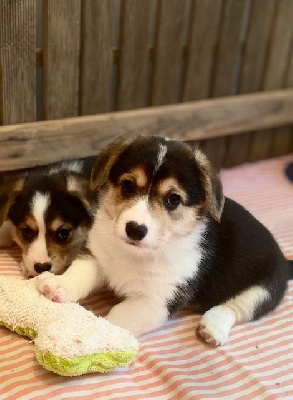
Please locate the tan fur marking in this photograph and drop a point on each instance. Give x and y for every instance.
(17, 237)
(106, 160)
(137, 175)
(31, 222)
(63, 255)
(212, 184)
(72, 184)
(114, 202)
(171, 185)
(16, 232)
(58, 223)
(9, 187)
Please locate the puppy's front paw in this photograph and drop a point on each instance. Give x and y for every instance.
(52, 286)
(212, 334)
(215, 325)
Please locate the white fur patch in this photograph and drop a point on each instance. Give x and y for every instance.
(140, 214)
(147, 278)
(71, 166)
(72, 184)
(216, 323)
(37, 251)
(161, 156)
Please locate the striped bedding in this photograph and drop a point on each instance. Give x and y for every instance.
(256, 363)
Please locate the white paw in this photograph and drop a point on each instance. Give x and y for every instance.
(215, 325)
(212, 334)
(53, 287)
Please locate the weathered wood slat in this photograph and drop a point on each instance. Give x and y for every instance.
(277, 76)
(251, 75)
(201, 48)
(289, 81)
(17, 61)
(261, 143)
(39, 143)
(134, 51)
(61, 24)
(229, 47)
(168, 52)
(96, 56)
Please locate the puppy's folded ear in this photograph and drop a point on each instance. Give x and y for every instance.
(106, 159)
(10, 186)
(212, 186)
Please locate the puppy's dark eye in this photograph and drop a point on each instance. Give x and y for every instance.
(28, 234)
(172, 201)
(62, 235)
(127, 187)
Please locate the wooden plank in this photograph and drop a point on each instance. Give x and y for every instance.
(134, 51)
(282, 50)
(40, 143)
(96, 56)
(251, 74)
(17, 61)
(281, 141)
(225, 71)
(61, 24)
(205, 15)
(262, 142)
(201, 50)
(168, 52)
(289, 84)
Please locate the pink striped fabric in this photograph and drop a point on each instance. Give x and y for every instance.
(256, 363)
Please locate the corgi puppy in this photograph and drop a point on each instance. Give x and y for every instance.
(165, 238)
(47, 212)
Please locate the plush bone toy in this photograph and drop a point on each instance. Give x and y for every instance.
(69, 340)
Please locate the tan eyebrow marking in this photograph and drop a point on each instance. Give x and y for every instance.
(31, 222)
(137, 174)
(58, 223)
(171, 185)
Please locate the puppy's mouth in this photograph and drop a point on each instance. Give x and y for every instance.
(139, 245)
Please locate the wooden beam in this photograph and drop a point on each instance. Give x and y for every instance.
(32, 144)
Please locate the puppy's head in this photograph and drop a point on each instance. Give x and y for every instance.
(50, 220)
(155, 191)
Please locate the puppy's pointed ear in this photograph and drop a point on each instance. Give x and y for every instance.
(105, 161)
(11, 185)
(212, 186)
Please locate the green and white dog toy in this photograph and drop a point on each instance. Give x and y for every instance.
(69, 340)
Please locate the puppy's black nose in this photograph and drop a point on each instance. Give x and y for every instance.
(39, 267)
(135, 231)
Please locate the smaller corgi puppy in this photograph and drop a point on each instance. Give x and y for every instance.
(48, 213)
(165, 238)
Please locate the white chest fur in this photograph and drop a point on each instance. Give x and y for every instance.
(135, 272)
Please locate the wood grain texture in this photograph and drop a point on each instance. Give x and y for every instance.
(28, 145)
(134, 54)
(168, 52)
(203, 35)
(289, 84)
(17, 61)
(61, 38)
(225, 70)
(277, 74)
(201, 50)
(266, 144)
(96, 56)
(251, 74)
